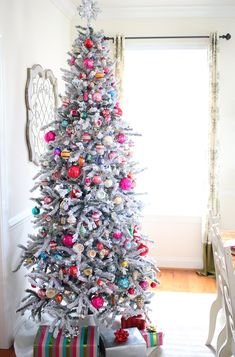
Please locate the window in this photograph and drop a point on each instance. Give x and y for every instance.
(166, 100)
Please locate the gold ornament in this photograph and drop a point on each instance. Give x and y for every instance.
(124, 264)
(91, 253)
(140, 302)
(29, 261)
(117, 200)
(63, 220)
(135, 274)
(51, 293)
(87, 271)
(65, 154)
(99, 75)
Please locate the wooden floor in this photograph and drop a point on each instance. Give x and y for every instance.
(170, 280)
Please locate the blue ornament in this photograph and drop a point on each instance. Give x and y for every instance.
(99, 160)
(35, 211)
(64, 123)
(123, 282)
(43, 256)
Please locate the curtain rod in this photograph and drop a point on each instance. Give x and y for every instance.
(227, 37)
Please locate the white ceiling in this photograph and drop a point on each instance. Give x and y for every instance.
(135, 3)
(154, 8)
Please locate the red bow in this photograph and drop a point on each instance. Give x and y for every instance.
(121, 335)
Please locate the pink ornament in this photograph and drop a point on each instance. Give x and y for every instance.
(97, 96)
(107, 119)
(66, 103)
(121, 138)
(98, 123)
(117, 235)
(125, 184)
(85, 96)
(57, 151)
(97, 180)
(82, 75)
(87, 181)
(112, 155)
(68, 240)
(131, 291)
(100, 149)
(144, 284)
(105, 112)
(99, 246)
(95, 216)
(106, 70)
(72, 60)
(99, 282)
(88, 63)
(47, 200)
(86, 137)
(41, 293)
(49, 136)
(97, 301)
(73, 112)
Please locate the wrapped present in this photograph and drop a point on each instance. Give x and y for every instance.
(152, 338)
(86, 344)
(134, 321)
(133, 346)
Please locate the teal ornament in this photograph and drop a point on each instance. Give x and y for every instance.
(112, 93)
(43, 256)
(35, 211)
(57, 256)
(83, 115)
(123, 282)
(64, 123)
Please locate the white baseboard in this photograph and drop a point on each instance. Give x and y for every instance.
(183, 263)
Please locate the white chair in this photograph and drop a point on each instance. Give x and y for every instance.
(225, 278)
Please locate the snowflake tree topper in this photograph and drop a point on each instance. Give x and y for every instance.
(88, 10)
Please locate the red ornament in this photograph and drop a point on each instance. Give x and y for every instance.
(58, 298)
(153, 284)
(99, 282)
(73, 271)
(88, 43)
(73, 112)
(145, 249)
(121, 335)
(53, 245)
(131, 291)
(33, 286)
(74, 171)
(74, 193)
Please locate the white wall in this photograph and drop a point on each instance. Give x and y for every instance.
(178, 239)
(32, 32)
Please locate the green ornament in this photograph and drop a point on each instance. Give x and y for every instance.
(82, 230)
(83, 115)
(88, 157)
(131, 231)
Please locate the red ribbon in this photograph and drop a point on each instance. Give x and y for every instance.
(121, 335)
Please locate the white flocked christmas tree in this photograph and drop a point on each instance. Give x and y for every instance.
(87, 255)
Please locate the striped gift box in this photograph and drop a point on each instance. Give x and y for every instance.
(84, 345)
(152, 338)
